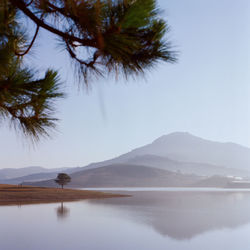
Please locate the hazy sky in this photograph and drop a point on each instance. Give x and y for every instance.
(206, 93)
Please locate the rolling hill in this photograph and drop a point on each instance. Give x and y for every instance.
(16, 176)
(9, 173)
(188, 154)
(124, 175)
(177, 159)
(185, 147)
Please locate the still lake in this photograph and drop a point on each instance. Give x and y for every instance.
(151, 219)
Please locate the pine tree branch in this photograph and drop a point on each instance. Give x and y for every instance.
(21, 6)
(28, 4)
(73, 55)
(55, 8)
(31, 44)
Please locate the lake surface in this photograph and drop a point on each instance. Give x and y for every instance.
(151, 219)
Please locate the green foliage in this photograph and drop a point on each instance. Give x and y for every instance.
(62, 179)
(102, 37)
(25, 100)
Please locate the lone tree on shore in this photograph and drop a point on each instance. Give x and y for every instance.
(62, 179)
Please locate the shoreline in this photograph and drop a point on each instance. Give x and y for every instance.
(20, 195)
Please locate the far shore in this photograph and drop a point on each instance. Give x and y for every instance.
(16, 195)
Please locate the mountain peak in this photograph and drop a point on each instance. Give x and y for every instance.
(175, 135)
(179, 134)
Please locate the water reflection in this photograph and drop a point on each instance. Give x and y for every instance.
(147, 221)
(62, 211)
(184, 215)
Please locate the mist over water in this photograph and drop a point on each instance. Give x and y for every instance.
(175, 220)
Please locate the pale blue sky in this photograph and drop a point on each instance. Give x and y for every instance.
(206, 93)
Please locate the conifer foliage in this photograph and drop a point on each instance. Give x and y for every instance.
(124, 37)
(25, 100)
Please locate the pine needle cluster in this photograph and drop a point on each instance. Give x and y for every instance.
(124, 37)
(25, 100)
(102, 37)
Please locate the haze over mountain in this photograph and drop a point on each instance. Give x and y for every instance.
(185, 147)
(188, 154)
(125, 175)
(7, 173)
(202, 169)
(18, 175)
(179, 155)
(30, 178)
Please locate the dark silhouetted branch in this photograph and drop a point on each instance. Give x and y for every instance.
(31, 44)
(21, 6)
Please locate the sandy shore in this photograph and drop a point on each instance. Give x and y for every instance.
(13, 194)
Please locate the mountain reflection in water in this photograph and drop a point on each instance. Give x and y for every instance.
(183, 215)
(149, 220)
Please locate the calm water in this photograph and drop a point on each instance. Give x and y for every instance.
(156, 219)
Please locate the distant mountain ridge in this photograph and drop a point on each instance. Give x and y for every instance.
(179, 155)
(124, 175)
(17, 175)
(128, 175)
(8, 173)
(192, 152)
(185, 147)
(202, 169)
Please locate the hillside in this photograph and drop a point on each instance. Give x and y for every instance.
(185, 147)
(171, 160)
(189, 154)
(202, 169)
(16, 176)
(8, 173)
(31, 177)
(124, 175)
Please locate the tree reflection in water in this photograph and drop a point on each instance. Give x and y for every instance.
(62, 211)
